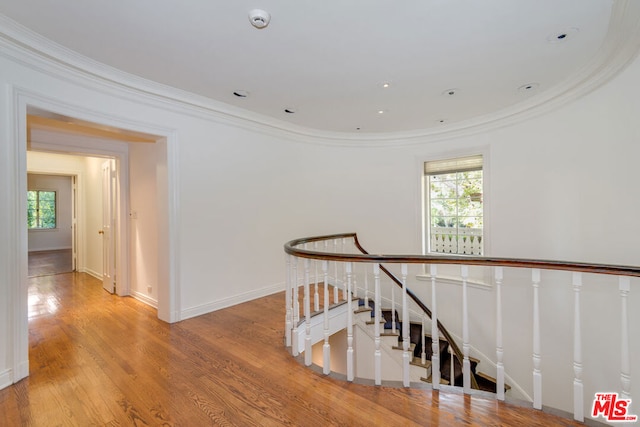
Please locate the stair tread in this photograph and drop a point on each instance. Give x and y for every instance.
(428, 380)
(491, 379)
(418, 362)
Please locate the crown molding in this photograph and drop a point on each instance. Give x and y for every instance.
(619, 49)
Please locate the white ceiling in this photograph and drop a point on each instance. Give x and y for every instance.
(328, 60)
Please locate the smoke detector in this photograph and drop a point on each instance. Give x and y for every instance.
(259, 18)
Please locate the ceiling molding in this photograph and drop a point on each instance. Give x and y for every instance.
(620, 48)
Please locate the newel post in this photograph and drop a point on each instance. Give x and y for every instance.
(435, 338)
(350, 363)
(537, 359)
(326, 348)
(377, 358)
(625, 366)
(406, 358)
(578, 390)
(499, 349)
(466, 364)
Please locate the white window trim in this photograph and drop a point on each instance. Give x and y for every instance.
(38, 229)
(486, 280)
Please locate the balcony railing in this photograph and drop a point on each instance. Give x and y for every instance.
(553, 303)
(452, 240)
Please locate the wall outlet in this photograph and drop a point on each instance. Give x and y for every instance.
(149, 289)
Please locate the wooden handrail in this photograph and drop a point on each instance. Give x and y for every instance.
(292, 249)
(452, 344)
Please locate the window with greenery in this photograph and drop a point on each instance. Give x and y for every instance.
(454, 208)
(41, 209)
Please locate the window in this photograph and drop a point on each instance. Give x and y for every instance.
(454, 209)
(41, 209)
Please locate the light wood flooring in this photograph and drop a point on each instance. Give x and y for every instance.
(44, 263)
(99, 359)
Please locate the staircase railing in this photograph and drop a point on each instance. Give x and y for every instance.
(298, 249)
(452, 343)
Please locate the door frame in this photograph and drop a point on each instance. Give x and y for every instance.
(167, 183)
(76, 179)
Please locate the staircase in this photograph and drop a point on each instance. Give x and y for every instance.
(485, 382)
(392, 343)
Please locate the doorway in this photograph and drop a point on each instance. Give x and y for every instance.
(29, 104)
(50, 223)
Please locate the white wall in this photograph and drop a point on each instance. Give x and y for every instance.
(60, 236)
(144, 227)
(87, 169)
(562, 186)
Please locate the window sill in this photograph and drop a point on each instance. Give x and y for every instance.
(474, 283)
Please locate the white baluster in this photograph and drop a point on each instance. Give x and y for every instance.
(307, 315)
(316, 296)
(305, 283)
(435, 336)
(466, 364)
(578, 392)
(345, 291)
(377, 357)
(288, 324)
(452, 366)
(499, 350)
(624, 284)
(423, 341)
(405, 328)
(350, 365)
(326, 348)
(393, 309)
(537, 359)
(366, 286)
(336, 298)
(295, 350)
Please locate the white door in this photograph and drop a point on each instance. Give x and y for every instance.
(74, 223)
(108, 226)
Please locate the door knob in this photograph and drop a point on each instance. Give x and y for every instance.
(101, 232)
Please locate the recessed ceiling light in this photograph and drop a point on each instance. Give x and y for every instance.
(241, 93)
(441, 121)
(562, 36)
(529, 87)
(380, 111)
(385, 85)
(450, 92)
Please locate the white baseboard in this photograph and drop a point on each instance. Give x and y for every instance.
(230, 301)
(5, 379)
(144, 298)
(91, 273)
(50, 249)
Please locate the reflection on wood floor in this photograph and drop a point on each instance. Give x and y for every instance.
(44, 263)
(99, 359)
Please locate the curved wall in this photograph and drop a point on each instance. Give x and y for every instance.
(563, 186)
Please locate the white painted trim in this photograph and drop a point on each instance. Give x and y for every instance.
(5, 379)
(619, 49)
(91, 273)
(146, 299)
(231, 301)
(55, 248)
(16, 113)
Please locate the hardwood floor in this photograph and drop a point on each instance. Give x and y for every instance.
(99, 359)
(44, 263)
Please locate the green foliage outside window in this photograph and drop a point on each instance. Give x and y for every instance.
(456, 199)
(41, 209)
